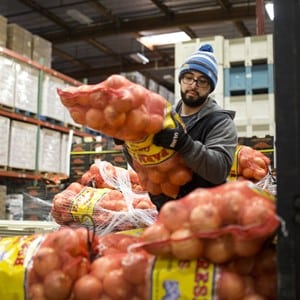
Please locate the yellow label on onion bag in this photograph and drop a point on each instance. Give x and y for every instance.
(145, 152)
(15, 256)
(234, 171)
(84, 203)
(261, 192)
(183, 280)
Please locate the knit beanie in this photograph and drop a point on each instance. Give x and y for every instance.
(202, 61)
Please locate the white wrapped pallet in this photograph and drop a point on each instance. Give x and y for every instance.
(22, 145)
(163, 91)
(7, 81)
(26, 92)
(65, 154)
(152, 85)
(51, 105)
(49, 150)
(4, 140)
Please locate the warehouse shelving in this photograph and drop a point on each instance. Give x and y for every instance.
(24, 107)
(46, 124)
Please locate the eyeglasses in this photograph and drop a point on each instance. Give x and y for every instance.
(200, 82)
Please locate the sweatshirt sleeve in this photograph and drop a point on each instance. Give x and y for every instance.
(213, 159)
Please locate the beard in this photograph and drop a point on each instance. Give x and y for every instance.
(191, 101)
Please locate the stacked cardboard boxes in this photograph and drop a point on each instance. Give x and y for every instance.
(4, 140)
(41, 51)
(3, 31)
(19, 40)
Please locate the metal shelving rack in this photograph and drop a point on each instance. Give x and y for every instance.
(14, 115)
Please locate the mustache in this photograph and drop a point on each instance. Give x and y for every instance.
(195, 91)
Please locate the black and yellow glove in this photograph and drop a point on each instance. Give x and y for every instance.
(173, 138)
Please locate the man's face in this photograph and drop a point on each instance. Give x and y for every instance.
(195, 88)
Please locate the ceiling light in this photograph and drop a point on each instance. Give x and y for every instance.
(79, 16)
(269, 6)
(139, 57)
(164, 39)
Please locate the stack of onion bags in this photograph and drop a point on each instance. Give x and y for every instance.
(221, 223)
(107, 198)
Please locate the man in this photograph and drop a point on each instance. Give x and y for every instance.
(208, 144)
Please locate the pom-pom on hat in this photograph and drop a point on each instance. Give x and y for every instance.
(202, 61)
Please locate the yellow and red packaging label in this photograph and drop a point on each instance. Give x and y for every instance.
(234, 171)
(173, 279)
(15, 257)
(183, 280)
(145, 152)
(84, 203)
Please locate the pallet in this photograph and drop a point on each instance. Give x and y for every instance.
(20, 170)
(25, 113)
(7, 108)
(51, 121)
(73, 126)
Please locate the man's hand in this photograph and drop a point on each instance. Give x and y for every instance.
(172, 138)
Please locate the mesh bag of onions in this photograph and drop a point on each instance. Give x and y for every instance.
(235, 219)
(112, 208)
(127, 111)
(103, 174)
(140, 275)
(76, 264)
(249, 164)
(45, 266)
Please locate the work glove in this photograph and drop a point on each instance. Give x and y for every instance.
(173, 138)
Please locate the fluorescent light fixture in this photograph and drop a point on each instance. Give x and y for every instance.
(164, 39)
(269, 6)
(79, 16)
(140, 58)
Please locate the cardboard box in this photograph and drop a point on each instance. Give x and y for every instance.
(3, 31)
(22, 147)
(41, 51)
(19, 40)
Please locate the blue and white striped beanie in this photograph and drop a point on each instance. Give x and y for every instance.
(202, 61)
